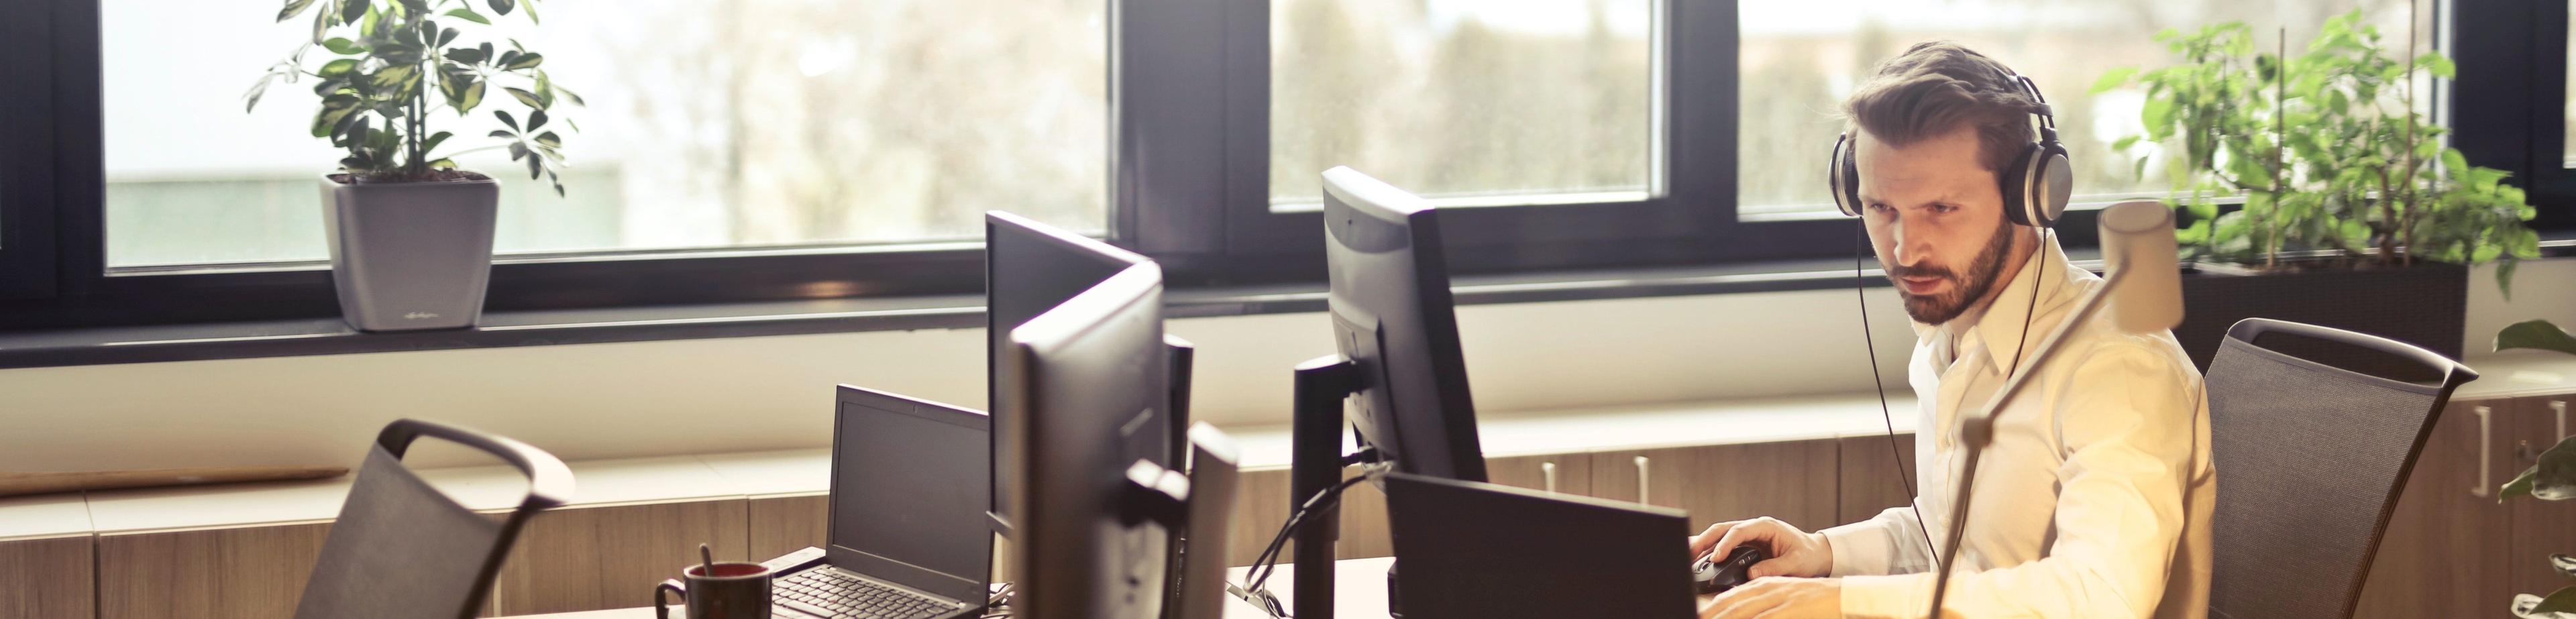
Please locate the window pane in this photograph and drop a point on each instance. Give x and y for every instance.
(711, 123)
(1800, 59)
(1488, 101)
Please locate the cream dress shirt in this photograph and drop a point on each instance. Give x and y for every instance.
(2093, 501)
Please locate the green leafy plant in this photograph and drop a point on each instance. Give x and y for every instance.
(2325, 151)
(2551, 478)
(2536, 335)
(382, 58)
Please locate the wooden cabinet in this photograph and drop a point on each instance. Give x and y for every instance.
(1260, 506)
(1571, 473)
(249, 572)
(48, 577)
(782, 524)
(590, 558)
(1792, 481)
(2540, 528)
(2451, 548)
(1872, 481)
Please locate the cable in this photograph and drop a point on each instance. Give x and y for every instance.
(2046, 235)
(1902, 475)
(998, 606)
(1268, 562)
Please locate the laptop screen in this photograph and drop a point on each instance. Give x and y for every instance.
(909, 492)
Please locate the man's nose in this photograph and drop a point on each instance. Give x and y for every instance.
(1911, 249)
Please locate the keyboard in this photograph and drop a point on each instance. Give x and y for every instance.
(825, 593)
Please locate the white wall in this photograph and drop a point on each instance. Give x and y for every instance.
(2542, 289)
(627, 399)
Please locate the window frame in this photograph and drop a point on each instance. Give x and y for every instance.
(1188, 163)
(27, 162)
(2512, 54)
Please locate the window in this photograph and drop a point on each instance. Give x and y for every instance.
(1468, 102)
(1799, 59)
(710, 124)
(764, 150)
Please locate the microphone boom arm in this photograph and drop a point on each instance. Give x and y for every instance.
(1977, 431)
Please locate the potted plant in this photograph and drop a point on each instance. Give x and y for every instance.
(2551, 478)
(2353, 214)
(410, 234)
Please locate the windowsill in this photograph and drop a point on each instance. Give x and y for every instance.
(329, 336)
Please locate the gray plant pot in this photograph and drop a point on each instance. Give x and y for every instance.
(410, 256)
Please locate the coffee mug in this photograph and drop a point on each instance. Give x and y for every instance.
(728, 590)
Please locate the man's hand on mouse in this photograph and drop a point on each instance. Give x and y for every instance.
(1793, 552)
(1778, 598)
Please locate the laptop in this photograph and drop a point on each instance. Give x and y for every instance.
(1470, 549)
(906, 536)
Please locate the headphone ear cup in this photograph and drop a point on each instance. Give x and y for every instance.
(2015, 183)
(1844, 177)
(2055, 182)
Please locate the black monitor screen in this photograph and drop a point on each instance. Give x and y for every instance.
(908, 493)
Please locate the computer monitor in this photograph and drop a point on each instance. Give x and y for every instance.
(1568, 556)
(1083, 385)
(1393, 319)
(1029, 269)
(1213, 478)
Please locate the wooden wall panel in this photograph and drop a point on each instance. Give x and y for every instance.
(251, 572)
(47, 577)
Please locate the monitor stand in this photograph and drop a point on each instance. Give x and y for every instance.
(1323, 384)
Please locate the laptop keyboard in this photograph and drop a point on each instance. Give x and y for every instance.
(839, 596)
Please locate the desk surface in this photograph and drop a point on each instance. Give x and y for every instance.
(1359, 592)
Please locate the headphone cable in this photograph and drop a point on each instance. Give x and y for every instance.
(1860, 291)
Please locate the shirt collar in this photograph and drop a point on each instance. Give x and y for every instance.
(2000, 323)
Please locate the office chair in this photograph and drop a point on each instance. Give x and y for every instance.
(401, 549)
(2310, 458)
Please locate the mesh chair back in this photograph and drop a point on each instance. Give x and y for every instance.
(403, 550)
(2310, 458)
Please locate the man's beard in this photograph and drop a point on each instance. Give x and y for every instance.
(1982, 272)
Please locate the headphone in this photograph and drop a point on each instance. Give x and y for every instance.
(2035, 185)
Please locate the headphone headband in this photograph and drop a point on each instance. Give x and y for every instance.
(2035, 185)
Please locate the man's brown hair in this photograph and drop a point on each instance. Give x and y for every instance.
(1935, 88)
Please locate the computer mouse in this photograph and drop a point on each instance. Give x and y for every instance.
(1712, 576)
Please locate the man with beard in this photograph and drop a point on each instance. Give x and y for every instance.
(2094, 497)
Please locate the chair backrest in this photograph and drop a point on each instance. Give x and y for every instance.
(401, 549)
(2310, 457)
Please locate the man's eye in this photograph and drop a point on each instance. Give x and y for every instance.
(1944, 209)
(1879, 207)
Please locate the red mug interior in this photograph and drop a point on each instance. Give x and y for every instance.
(726, 570)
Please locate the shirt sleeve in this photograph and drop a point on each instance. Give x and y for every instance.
(2125, 419)
(1890, 543)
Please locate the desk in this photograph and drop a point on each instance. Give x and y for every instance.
(1359, 593)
